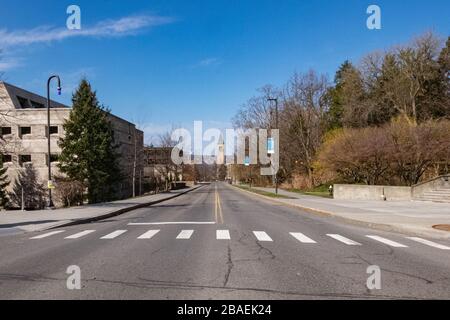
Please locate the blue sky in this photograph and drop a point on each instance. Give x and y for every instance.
(168, 62)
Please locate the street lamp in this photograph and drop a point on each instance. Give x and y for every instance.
(276, 127)
(49, 183)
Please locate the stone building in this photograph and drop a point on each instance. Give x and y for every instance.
(158, 164)
(23, 120)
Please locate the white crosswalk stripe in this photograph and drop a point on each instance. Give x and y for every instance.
(262, 236)
(387, 241)
(344, 239)
(79, 234)
(149, 234)
(429, 243)
(114, 234)
(223, 235)
(185, 234)
(48, 234)
(302, 238)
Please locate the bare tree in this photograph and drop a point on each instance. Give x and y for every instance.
(303, 121)
(257, 112)
(167, 169)
(414, 148)
(356, 155)
(397, 153)
(403, 74)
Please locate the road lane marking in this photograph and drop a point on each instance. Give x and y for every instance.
(48, 234)
(219, 202)
(215, 204)
(301, 237)
(344, 240)
(79, 234)
(168, 223)
(223, 235)
(429, 243)
(218, 213)
(185, 234)
(262, 236)
(387, 241)
(114, 234)
(148, 235)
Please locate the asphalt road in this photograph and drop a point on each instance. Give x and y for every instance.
(238, 246)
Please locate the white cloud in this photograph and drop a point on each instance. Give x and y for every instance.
(109, 28)
(9, 63)
(212, 61)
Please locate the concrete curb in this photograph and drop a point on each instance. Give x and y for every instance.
(436, 234)
(120, 211)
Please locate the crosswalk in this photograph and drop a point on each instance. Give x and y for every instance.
(185, 234)
(260, 236)
(302, 238)
(114, 234)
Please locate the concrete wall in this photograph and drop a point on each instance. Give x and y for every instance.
(364, 192)
(441, 182)
(397, 193)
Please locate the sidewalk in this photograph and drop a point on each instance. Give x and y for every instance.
(18, 221)
(410, 217)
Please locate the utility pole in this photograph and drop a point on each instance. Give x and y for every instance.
(276, 127)
(134, 164)
(140, 182)
(22, 203)
(49, 183)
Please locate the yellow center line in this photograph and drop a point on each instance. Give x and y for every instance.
(220, 207)
(215, 204)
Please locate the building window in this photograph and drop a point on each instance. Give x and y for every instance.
(53, 129)
(54, 157)
(24, 103)
(25, 130)
(36, 105)
(5, 131)
(7, 158)
(24, 159)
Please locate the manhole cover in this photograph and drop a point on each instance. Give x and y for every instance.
(443, 227)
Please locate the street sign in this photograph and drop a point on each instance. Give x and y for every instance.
(270, 146)
(50, 184)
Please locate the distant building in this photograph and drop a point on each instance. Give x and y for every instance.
(158, 164)
(221, 151)
(23, 119)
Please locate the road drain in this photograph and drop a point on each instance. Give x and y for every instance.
(443, 227)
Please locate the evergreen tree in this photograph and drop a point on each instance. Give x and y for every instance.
(88, 150)
(33, 192)
(336, 98)
(3, 184)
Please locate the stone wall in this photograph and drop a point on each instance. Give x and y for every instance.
(378, 193)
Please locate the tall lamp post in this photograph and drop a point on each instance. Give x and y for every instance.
(276, 127)
(49, 184)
